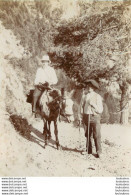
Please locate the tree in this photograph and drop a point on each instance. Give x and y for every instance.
(96, 46)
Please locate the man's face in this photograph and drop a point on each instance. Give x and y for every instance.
(44, 63)
(90, 89)
(86, 90)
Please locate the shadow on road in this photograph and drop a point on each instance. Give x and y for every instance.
(71, 149)
(22, 126)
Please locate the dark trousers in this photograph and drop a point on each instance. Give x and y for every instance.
(93, 123)
(36, 95)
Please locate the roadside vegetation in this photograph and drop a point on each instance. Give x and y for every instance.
(93, 45)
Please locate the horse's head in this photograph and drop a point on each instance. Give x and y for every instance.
(50, 103)
(55, 94)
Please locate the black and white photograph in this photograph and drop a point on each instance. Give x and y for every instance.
(65, 88)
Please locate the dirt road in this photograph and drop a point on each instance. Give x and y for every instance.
(27, 157)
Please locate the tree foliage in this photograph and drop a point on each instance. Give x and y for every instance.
(86, 44)
(94, 45)
(32, 24)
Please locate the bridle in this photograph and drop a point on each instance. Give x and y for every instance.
(59, 101)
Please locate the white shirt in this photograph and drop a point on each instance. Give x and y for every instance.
(91, 104)
(46, 74)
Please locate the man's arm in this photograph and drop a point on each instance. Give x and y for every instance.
(81, 107)
(38, 77)
(53, 77)
(99, 105)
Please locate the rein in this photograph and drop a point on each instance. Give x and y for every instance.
(59, 108)
(51, 101)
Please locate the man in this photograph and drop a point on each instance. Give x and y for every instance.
(91, 107)
(45, 77)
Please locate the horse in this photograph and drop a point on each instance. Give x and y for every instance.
(49, 110)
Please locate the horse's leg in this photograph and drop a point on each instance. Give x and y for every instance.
(45, 132)
(56, 134)
(44, 126)
(49, 132)
(59, 118)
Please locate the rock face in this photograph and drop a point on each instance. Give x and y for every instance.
(12, 98)
(10, 45)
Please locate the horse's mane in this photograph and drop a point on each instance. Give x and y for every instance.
(50, 102)
(53, 95)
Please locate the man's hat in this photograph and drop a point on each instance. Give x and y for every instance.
(93, 83)
(45, 58)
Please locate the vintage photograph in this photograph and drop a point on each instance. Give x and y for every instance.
(65, 88)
